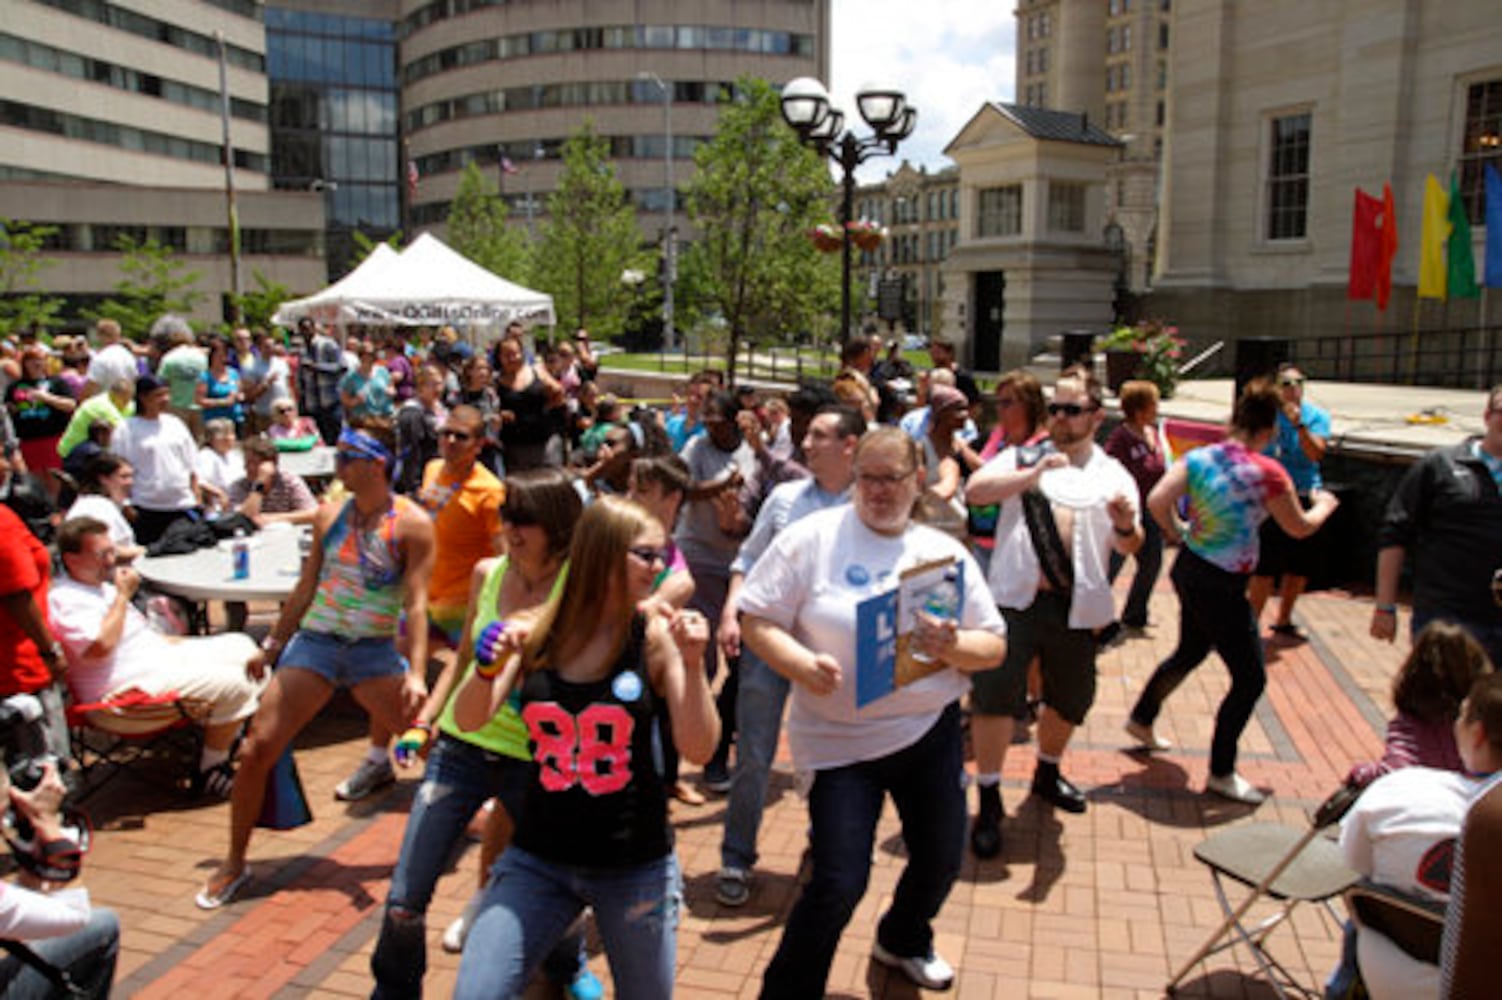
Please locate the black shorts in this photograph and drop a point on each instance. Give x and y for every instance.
(1282, 553)
(1066, 656)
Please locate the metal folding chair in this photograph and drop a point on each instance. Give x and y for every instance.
(1413, 924)
(1281, 863)
(114, 734)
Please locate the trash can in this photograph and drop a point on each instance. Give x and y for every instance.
(1074, 347)
(1257, 356)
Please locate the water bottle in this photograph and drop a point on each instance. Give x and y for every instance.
(240, 557)
(941, 603)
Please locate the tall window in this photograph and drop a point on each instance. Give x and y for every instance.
(1480, 144)
(1287, 185)
(1066, 207)
(1000, 211)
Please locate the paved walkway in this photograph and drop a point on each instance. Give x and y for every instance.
(1105, 904)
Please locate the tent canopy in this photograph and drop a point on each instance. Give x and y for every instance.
(427, 284)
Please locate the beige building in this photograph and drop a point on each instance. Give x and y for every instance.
(1279, 111)
(1030, 262)
(516, 80)
(1110, 60)
(921, 211)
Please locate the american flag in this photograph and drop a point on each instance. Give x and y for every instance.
(412, 177)
(507, 167)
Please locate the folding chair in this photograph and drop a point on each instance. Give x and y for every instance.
(1286, 865)
(1413, 924)
(112, 735)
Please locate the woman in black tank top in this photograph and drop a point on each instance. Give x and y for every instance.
(529, 399)
(593, 675)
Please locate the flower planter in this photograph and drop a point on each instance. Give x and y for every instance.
(1121, 366)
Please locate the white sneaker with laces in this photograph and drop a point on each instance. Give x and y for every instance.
(456, 932)
(1236, 788)
(369, 776)
(928, 971)
(1145, 737)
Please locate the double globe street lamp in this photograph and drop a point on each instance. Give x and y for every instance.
(806, 107)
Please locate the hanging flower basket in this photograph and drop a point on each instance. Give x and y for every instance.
(866, 234)
(826, 238)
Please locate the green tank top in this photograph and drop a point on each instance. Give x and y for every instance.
(505, 733)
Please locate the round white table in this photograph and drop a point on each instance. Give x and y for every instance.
(315, 463)
(208, 574)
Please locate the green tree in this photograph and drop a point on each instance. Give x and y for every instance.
(22, 303)
(754, 195)
(154, 283)
(477, 228)
(258, 305)
(589, 239)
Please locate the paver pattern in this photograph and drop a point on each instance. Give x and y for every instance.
(1105, 904)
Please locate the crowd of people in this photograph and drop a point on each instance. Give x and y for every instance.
(546, 597)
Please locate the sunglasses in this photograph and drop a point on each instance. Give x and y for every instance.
(1069, 409)
(651, 554)
(1286, 382)
(453, 435)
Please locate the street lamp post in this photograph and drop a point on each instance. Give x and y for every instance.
(806, 107)
(669, 237)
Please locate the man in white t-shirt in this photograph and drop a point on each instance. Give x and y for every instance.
(164, 455)
(1080, 504)
(112, 648)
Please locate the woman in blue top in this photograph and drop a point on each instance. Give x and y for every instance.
(218, 392)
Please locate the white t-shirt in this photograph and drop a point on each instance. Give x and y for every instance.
(808, 583)
(77, 614)
(274, 372)
(699, 534)
(1402, 833)
(163, 454)
(219, 470)
(102, 508)
(1087, 489)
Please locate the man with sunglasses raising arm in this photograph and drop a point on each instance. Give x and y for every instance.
(369, 566)
(1065, 505)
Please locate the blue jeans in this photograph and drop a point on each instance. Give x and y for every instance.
(530, 903)
(459, 777)
(926, 782)
(1488, 634)
(758, 718)
(88, 955)
(1149, 564)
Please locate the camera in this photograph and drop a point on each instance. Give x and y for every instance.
(23, 740)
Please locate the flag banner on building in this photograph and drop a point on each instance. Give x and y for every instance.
(507, 167)
(1389, 232)
(1493, 276)
(1366, 247)
(1460, 262)
(412, 177)
(1432, 240)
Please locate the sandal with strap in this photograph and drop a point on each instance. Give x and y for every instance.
(217, 781)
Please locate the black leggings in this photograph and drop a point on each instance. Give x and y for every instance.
(1213, 614)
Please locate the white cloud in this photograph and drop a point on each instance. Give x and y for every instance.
(948, 56)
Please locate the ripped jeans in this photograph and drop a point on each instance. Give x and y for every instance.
(458, 778)
(530, 903)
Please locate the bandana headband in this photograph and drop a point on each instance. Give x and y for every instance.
(361, 445)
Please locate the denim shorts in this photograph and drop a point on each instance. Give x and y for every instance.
(343, 662)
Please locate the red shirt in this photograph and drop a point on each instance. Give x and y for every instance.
(24, 565)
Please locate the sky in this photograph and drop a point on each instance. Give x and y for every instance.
(948, 56)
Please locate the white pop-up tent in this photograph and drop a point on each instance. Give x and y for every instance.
(427, 284)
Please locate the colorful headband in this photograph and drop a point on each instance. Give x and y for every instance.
(362, 445)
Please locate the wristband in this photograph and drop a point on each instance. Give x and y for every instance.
(271, 645)
(411, 742)
(1125, 532)
(1386, 609)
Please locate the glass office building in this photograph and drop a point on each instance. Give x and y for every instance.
(333, 116)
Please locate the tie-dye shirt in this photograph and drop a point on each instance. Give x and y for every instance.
(1228, 492)
(360, 589)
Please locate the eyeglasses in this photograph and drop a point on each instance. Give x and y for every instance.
(650, 554)
(1069, 409)
(448, 433)
(891, 479)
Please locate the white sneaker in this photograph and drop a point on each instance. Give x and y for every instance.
(1145, 737)
(369, 776)
(928, 971)
(456, 932)
(1236, 788)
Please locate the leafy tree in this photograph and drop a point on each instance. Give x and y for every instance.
(258, 305)
(754, 195)
(154, 283)
(477, 228)
(22, 304)
(590, 238)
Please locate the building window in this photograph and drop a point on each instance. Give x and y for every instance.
(1162, 75)
(1066, 207)
(1161, 113)
(1288, 177)
(1000, 211)
(1126, 38)
(1110, 41)
(1162, 36)
(1481, 144)
(1124, 76)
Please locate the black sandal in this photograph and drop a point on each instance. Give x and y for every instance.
(217, 781)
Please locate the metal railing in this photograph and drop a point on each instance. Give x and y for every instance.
(1468, 358)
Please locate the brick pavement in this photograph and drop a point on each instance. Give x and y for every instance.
(1100, 905)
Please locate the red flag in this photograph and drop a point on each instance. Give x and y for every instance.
(1389, 247)
(507, 167)
(1366, 247)
(411, 180)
